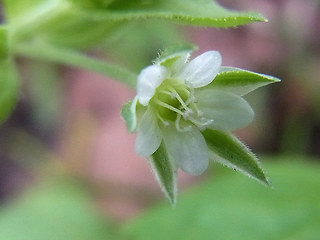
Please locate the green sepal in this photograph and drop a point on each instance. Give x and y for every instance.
(239, 81)
(128, 113)
(174, 53)
(165, 173)
(228, 150)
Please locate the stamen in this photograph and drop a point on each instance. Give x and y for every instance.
(186, 91)
(165, 123)
(199, 112)
(184, 105)
(187, 113)
(191, 97)
(202, 123)
(177, 124)
(172, 95)
(165, 105)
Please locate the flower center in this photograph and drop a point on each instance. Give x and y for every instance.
(175, 103)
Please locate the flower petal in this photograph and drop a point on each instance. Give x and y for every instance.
(188, 149)
(227, 110)
(148, 80)
(149, 135)
(201, 70)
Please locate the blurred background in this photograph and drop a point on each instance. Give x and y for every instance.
(68, 167)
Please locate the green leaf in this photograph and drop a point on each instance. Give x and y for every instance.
(8, 88)
(17, 8)
(91, 3)
(128, 113)
(227, 206)
(45, 94)
(57, 210)
(56, 54)
(132, 40)
(78, 24)
(199, 13)
(165, 173)
(240, 81)
(8, 79)
(55, 22)
(230, 151)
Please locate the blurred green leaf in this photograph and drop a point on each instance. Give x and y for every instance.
(69, 23)
(226, 149)
(91, 3)
(8, 78)
(76, 29)
(229, 207)
(165, 173)
(45, 91)
(240, 81)
(17, 8)
(57, 22)
(200, 12)
(4, 52)
(58, 210)
(135, 46)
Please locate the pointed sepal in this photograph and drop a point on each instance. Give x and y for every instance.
(165, 173)
(239, 81)
(128, 113)
(175, 56)
(228, 150)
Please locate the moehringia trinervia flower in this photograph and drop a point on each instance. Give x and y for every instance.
(177, 104)
(184, 113)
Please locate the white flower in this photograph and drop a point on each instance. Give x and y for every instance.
(176, 102)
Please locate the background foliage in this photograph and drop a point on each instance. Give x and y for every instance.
(59, 124)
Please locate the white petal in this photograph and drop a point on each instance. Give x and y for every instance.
(149, 135)
(148, 80)
(227, 110)
(188, 149)
(201, 70)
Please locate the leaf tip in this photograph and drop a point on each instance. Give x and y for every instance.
(266, 182)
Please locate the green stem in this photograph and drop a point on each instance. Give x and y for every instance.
(73, 58)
